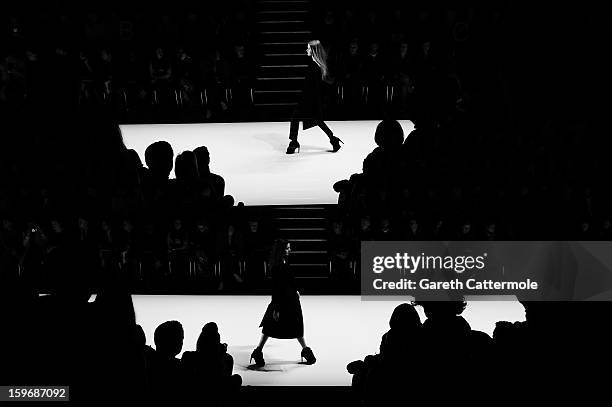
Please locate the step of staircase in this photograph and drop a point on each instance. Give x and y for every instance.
(299, 221)
(287, 58)
(282, 70)
(276, 96)
(301, 232)
(282, 47)
(281, 24)
(308, 244)
(306, 228)
(309, 257)
(283, 29)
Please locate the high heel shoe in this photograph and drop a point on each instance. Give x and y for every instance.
(308, 355)
(293, 145)
(335, 142)
(258, 356)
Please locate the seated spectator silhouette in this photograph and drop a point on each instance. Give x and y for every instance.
(385, 230)
(351, 76)
(141, 340)
(405, 326)
(389, 134)
(105, 69)
(343, 188)
(125, 242)
(203, 241)
(387, 157)
(208, 370)
(58, 235)
(152, 249)
(160, 73)
(402, 70)
(216, 182)
(375, 378)
(257, 246)
(187, 187)
(327, 29)
(241, 72)
(230, 252)
(159, 159)
(412, 229)
(179, 244)
(184, 76)
(552, 334)
(466, 230)
(164, 372)
(339, 249)
(444, 325)
(374, 69)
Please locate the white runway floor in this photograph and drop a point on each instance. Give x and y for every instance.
(339, 329)
(251, 156)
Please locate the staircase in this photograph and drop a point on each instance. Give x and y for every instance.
(283, 30)
(306, 228)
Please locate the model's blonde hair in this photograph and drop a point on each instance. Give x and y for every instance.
(319, 55)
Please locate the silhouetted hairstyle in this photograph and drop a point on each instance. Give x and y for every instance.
(186, 166)
(168, 337)
(319, 55)
(389, 134)
(277, 253)
(404, 317)
(158, 157)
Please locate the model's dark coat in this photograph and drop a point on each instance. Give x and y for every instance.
(285, 300)
(310, 106)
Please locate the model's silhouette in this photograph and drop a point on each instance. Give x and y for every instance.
(310, 108)
(283, 317)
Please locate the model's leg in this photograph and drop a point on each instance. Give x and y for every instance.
(335, 141)
(258, 353)
(302, 342)
(307, 352)
(262, 341)
(293, 134)
(326, 129)
(293, 130)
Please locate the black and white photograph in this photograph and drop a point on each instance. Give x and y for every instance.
(305, 202)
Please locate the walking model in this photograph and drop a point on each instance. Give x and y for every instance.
(310, 110)
(283, 317)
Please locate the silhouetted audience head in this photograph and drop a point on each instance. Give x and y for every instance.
(389, 134)
(228, 201)
(186, 167)
(209, 338)
(168, 338)
(405, 329)
(158, 157)
(342, 186)
(442, 309)
(405, 318)
(203, 156)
